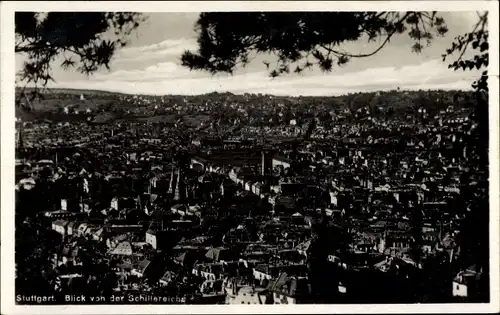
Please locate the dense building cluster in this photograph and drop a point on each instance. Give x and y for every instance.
(255, 199)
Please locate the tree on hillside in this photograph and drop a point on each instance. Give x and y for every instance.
(86, 41)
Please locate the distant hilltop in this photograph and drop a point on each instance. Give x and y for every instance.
(101, 92)
(90, 93)
(103, 106)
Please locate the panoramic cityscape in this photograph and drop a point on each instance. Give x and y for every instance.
(164, 181)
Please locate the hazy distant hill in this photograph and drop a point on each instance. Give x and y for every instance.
(109, 105)
(70, 92)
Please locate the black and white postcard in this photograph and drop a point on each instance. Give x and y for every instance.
(221, 157)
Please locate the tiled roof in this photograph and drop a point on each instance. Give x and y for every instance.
(124, 248)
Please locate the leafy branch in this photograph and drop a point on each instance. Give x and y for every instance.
(225, 40)
(79, 37)
(478, 40)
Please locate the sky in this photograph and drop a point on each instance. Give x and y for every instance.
(150, 64)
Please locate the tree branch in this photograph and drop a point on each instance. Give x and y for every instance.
(21, 49)
(389, 35)
(423, 23)
(360, 55)
(464, 49)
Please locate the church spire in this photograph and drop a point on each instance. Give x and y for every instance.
(171, 185)
(177, 186)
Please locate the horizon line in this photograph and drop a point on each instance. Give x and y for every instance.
(43, 89)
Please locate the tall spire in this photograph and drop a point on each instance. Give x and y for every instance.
(171, 185)
(177, 195)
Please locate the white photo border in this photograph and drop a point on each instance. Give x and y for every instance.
(7, 85)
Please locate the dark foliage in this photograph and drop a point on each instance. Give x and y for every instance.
(478, 40)
(76, 36)
(301, 40)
